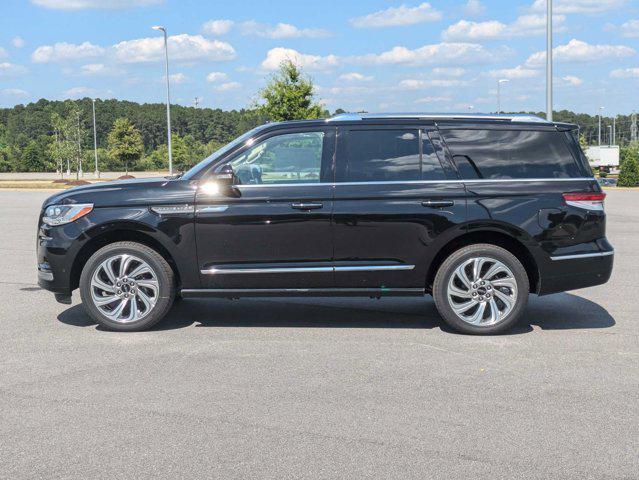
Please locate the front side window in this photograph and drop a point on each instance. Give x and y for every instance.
(389, 155)
(282, 159)
(510, 154)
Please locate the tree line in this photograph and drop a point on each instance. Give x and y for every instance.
(58, 135)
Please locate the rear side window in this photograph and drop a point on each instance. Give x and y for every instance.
(510, 154)
(389, 155)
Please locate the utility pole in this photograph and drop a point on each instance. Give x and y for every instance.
(549, 60)
(79, 170)
(168, 96)
(610, 135)
(196, 102)
(600, 109)
(95, 142)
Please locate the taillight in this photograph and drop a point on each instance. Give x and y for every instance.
(589, 201)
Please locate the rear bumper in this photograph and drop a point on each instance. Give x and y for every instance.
(570, 271)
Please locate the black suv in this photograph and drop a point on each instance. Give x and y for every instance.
(478, 211)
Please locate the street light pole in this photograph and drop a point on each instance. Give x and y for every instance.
(600, 109)
(549, 60)
(168, 96)
(610, 135)
(95, 142)
(614, 130)
(499, 82)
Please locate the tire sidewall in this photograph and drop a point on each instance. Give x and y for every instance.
(165, 286)
(444, 273)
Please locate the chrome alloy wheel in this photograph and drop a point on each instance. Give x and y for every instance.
(124, 288)
(482, 291)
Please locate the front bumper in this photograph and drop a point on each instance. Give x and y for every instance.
(56, 249)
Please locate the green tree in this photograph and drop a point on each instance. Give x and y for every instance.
(629, 173)
(290, 96)
(63, 148)
(125, 143)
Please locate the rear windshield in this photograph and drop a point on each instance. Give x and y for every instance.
(511, 154)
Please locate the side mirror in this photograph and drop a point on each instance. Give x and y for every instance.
(226, 176)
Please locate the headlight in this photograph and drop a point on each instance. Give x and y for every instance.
(61, 214)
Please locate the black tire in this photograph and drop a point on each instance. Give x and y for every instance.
(456, 259)
(161, 269)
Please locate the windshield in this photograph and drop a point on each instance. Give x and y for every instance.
(222, 151)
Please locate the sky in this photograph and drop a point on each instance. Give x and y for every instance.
(372, 55)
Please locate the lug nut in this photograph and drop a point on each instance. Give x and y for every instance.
(489, 287)
(483, 283)
(474, 294)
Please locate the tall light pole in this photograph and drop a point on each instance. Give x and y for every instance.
(610, 135)
(614, 130)
(549, 60)
(168, 96)
(499, 82)
(600, 109)
(95, 141)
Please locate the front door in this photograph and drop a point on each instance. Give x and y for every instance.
(395, 200)
(272, 230)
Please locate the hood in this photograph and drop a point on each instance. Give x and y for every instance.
(145, 191)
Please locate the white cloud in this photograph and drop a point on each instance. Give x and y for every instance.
(276, 56)
(17, 42)
(178, 78)
(228, 86)
(182, 47)
(78, 92)
(94, 4)
(216, 77)
(218, 27)
(448, 71)
(397, 16)
(474, 7)
(281, 30)
(572, 80)
(579, 51)
(465, 30)
(417, 84)
(355, 77)
(3, 53)
(99, 69)
(524, 25)
(514, 73)
(65, 52)
(440, 53)
(579, 6)
(8, 69)
(625, 73)
(630, 29)
(15, 92)
(433, 100)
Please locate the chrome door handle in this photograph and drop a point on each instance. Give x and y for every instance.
(437, 203)
(306, 206)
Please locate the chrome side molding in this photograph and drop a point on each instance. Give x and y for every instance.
(582, 255)
(353, 268)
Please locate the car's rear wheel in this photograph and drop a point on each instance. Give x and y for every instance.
(481, 289)
(127, 286)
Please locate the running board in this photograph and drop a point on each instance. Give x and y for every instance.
(302, 292)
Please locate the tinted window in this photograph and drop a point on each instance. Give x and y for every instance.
(288, 158)
(389, 155)
(510, 154)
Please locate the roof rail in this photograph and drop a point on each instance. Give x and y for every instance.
(353, 117)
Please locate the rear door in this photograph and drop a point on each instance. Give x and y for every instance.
(395, 198)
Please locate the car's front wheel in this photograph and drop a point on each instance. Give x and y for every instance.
(127, 286)
(481, 289)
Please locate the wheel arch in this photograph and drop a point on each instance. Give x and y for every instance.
(492, 236)
(119, 233)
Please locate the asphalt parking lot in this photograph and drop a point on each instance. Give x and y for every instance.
(286, 388)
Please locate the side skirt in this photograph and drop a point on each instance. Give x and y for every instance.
(303, 292)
